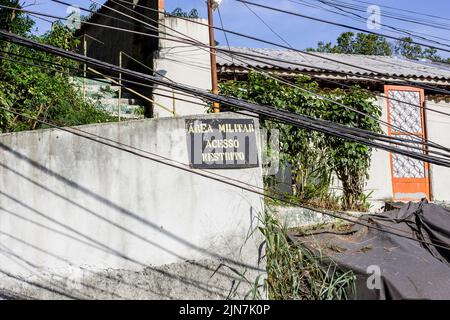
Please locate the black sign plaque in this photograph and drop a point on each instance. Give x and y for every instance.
(222, 143)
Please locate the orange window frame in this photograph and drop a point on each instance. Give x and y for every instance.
(405, 186)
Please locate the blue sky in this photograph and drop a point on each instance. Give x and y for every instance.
(299, 32)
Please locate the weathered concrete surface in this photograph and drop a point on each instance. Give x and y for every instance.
(81, 219)
(187, 280)
(295, 217)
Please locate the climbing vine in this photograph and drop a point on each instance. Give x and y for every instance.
(316, 158)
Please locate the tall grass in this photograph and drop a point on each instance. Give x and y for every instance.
(294, 272)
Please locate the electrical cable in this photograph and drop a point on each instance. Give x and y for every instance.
(363, 136)
(400, 129)
(52, 125)
(360, 18)
(94, 2)
(401, 80)
(263, 194)
(406, 10)
(391, 137)
(398, 17)
(388, 125)
(336, 24)
(92, 137)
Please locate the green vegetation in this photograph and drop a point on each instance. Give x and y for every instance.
(361, 43)
(294, 272)
(314, 156)
(40, 92)
(371, 44)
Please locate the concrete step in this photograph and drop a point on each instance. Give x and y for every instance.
(123, 101)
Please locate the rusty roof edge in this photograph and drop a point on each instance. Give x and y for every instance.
(402, 67)
(335, 75)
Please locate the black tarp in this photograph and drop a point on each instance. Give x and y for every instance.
(409, 269)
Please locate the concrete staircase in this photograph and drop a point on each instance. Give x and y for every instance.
(105, 97)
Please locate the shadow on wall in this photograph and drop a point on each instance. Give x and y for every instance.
(45, 273)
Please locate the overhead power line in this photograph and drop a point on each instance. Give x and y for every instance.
(325, 98)
(401, 142)
(336, 24)
(225, 180)
(359, 135)
(358, 17)
(206, 173)
(79, 73)
(285, 41)
(404, 10)
(398, 16)
(375, 72)
(327, 213)
(300, 88)
(288, 83)
(408, 141)
(330, 81)
(233, 56)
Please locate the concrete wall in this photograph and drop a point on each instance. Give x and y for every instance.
(184, 64)
(83, 220)
(438, 129)
(380, 179)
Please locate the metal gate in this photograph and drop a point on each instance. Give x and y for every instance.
(410, 177)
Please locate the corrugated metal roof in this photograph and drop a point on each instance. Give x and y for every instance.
(298, 62)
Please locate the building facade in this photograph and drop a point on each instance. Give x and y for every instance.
(147, 40)
(411, 94)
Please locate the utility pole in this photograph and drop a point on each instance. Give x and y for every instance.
(212, 44)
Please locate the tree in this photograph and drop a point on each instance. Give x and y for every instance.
(407, 49)
(371, 44)
(14, 21)
(360, 43)
(38, 84)
(431, 54)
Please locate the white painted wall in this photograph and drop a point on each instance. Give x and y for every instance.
(379, 183)
(191, 66)
(184, 64)
(69, 204)
(438, 129)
